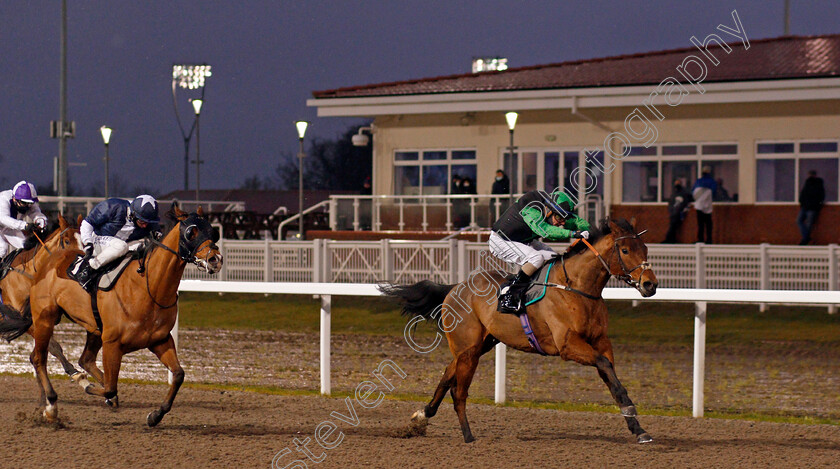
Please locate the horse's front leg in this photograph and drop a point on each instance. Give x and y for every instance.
(573, 347)
(606, 370)
(165, 352)
(111, 361)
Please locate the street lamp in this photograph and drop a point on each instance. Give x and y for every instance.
(106, 137)
(197, 107)
(510, 117)
(301, 130)
(188, 77)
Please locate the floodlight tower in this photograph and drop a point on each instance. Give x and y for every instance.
(190, 78)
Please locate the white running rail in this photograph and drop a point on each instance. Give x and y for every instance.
(700, 297)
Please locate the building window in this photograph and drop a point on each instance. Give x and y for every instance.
(648, 174)
(782, 168)
(430, 172)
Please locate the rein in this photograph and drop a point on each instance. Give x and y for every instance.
(625, 275)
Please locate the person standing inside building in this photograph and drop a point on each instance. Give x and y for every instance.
(703, 192)
(810, 202)
(501, 187)
(677, 208)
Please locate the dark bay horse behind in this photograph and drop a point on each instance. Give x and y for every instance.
(570, 322)
(139, 312)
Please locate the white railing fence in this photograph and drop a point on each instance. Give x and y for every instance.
(700, 297)
(752, 267)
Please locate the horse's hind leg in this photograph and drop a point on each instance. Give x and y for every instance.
(467, 362)
(75, 375)
(446, 381)
(165, 352)
(87, 361)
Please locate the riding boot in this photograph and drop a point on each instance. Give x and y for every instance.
(512, 296)
(84, 274)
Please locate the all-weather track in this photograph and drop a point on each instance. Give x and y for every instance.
(212, 428)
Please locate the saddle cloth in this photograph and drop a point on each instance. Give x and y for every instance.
(106, 277)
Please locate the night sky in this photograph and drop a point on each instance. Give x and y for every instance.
(268, 56)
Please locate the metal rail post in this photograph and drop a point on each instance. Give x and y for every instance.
(326, 307)
(699, 357)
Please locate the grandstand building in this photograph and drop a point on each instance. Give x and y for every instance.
(616, 132)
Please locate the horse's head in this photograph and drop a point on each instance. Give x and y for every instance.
(629, 259)
(197, 240)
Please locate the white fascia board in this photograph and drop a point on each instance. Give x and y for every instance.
(617, 96)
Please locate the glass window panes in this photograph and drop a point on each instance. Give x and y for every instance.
(552, 171)
(725, 173)
(826, 168)
(640, 181)
(773, 180)
(465, 171)
(818, 147)
(435, 180)
(406, 156)
(570, 163)
(406, 180)
(463, 154)
(434, 155)
(726, 149)
(673, 150)
(775, 147)
(595, 170)
(685, 171)
(529, 171)
(640, 151)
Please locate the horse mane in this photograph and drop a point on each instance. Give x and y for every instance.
(595, 234)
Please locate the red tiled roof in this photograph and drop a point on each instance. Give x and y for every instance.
(767, 59)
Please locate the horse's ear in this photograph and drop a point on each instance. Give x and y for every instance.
(613, 227)
(199, 211)
(633, 222)
(176, 213)
(62, 222)
(79, 220)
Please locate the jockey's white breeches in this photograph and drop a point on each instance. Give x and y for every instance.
(107, 249)
(536, 253)
(10, 238)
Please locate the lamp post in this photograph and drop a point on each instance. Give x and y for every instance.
(188, 77)
(106, 137)
(197, 107)
(510, 117)
(301, 130)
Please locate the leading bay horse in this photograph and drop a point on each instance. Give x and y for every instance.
(17, 282)
(569, 322)
(139, 312)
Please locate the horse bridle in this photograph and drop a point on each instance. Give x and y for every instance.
(625, 275)
(185, 253)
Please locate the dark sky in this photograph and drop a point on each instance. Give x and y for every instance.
(269, 55)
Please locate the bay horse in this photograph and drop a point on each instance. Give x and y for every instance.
(138, 312)
(16, 284)
(569, 322)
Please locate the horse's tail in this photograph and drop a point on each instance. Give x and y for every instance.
(422, 298)
(14, 323)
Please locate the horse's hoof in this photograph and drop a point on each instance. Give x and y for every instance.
(644, 438)
(78, 377)
(629, 411)
(153, 418)
(419, 417)
(51, 413)
(113, 403)
(469, 439)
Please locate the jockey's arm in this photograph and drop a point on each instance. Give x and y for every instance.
(86, 232)
(578, 224)
(6, 219)
(539, 225)
(37, 216)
